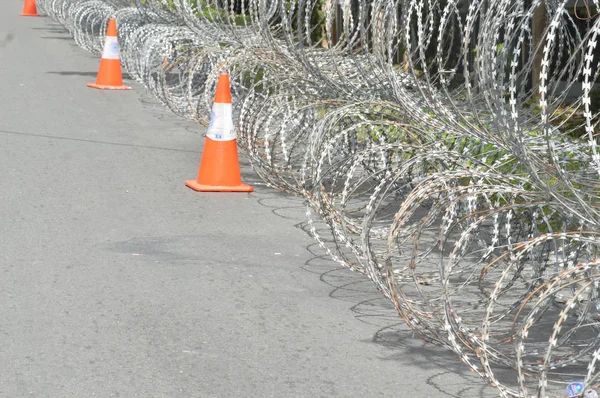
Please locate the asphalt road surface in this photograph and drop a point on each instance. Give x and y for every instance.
(119, 281)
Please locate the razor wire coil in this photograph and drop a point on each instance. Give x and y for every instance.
(451, 146)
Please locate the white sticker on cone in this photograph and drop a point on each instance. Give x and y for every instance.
(221, 126)
(111, 48)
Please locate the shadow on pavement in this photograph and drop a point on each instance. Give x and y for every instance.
(447, 373)
(57, 37)
(74, 73)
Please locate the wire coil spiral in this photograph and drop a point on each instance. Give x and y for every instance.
(451, 146)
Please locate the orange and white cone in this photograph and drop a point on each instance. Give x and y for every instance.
(219, 167)
(110, 76)
(29, 9)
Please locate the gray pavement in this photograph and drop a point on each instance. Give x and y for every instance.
(119, 281)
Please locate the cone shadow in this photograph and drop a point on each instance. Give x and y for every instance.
(56, 37)
(74, 73)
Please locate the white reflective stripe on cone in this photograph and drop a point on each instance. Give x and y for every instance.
(221, 123)
(111, 48)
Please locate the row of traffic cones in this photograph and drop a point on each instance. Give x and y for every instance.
(219, 166)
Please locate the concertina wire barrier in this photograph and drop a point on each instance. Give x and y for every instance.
(451, 146)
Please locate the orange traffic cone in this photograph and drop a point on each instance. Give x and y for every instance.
(220, 167)
(29, 9)
(109, 75)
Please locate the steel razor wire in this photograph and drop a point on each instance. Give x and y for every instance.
(450, 145)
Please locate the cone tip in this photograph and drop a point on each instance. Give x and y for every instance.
(223, 94)
(112, 27)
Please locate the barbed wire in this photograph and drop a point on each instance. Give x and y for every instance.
(450, 145)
